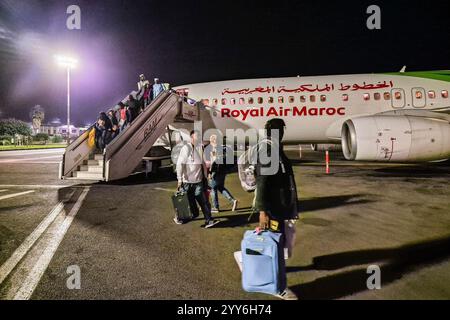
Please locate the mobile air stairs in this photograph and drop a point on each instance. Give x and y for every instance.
(126, 152)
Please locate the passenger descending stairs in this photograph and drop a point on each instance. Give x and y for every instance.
(91, 169)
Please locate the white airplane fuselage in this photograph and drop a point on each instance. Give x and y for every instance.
(315, 108)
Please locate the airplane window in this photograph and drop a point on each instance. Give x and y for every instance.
(312, 98)
(377, 96)
(387, 96)
(250, 100)
(302, 99)
(205, 102)
(345, 97)
(419, 95)
(444, 94)
(366, 96)
(291, 99)
(260, 100)
(270, 100)
(398, 95)
(431, 94)
(241, 101)
(214, 102)
(280, 99)
(232, 101)
(323, 98)
(224, 101)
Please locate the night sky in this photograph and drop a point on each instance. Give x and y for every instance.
(197, 41)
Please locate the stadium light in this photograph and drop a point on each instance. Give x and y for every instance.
(68, 63)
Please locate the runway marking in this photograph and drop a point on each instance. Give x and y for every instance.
(22, 250)
(13, 195)
(36, 162)
(36, 273)
(36, 186)
(34, 151)
(164, 189)
(26, 160)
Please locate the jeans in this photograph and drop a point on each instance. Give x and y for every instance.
(196, 192)
(217, 184)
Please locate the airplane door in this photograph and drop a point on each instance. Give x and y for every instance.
(418, 97)
(398, 98)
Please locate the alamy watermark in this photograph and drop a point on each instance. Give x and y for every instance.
(262, 146)
(73, 282)
(73, 21)
(374, 280)
(374, 20)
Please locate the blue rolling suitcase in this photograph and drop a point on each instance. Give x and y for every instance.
(263, 266)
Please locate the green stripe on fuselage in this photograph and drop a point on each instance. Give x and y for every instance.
(443, 75)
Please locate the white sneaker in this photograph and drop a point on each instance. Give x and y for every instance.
(235, 203)
(177, 221)
(211, 223)
(287, 294)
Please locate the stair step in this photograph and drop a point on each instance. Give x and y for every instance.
(93, 163)
(98, 157)
(86, 175)
(98, 169)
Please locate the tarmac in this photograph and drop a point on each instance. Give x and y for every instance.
(122, 237)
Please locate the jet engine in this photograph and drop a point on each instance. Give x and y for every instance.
(396, 138)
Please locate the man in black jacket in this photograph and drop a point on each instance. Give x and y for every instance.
(276, 192)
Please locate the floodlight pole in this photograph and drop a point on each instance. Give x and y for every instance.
(68, 105)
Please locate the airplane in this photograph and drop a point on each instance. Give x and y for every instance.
(388, 117)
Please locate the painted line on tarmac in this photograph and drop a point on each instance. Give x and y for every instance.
(36, 186)
(3, 190)
(35, 162)
(27, 160)
(164, 189)
(34, 151)
(23, 249)
(13, 195)
(36, 273)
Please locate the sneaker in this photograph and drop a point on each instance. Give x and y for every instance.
(211, 223)
(214, 210)
(177, 221)
(235, 203)
(287, 294)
